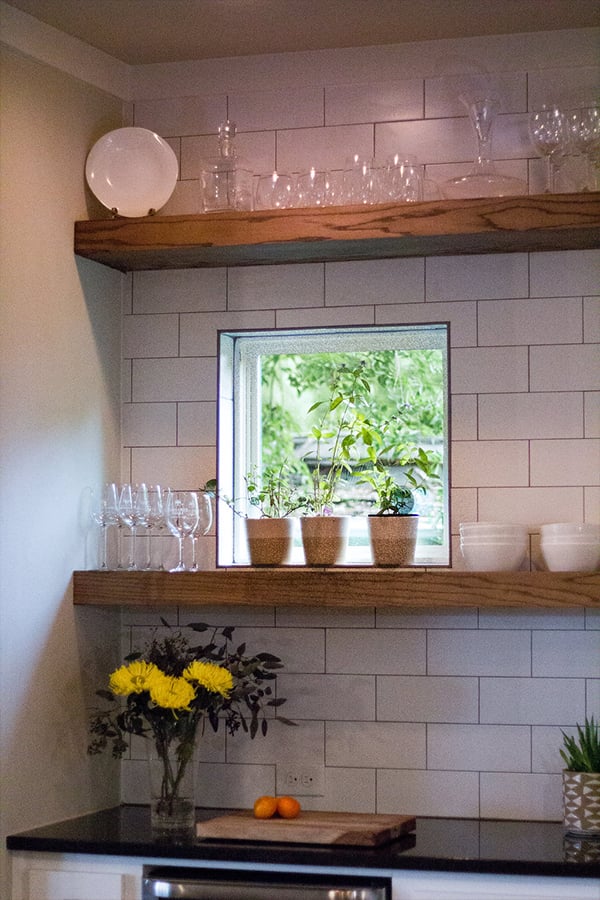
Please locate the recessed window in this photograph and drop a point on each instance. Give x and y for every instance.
(268, 382)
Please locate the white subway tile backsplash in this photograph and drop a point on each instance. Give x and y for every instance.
(149, 424)
(460, 316)
(179, 290)
(421, 793)
(565, 462)
(332, 316)
(150, 336)
(490, 748)
(275, 287)
(182, 115)
(485, 277)
(427, 699)
(379, 744)
(373, 651)
(375, 281)
(591, 320)
(522, 416)
(199, 331)
(442, 95)
(521, 796)
(569, 273)
(329, 697)
(553, 84)
(515, 322)
(487, 463)
(191, 378)
(323, 148)
(533, 701)
(489, 370)
(489, 687)
(478, 653)
(530, 506)
(375, 102)
(197, 423)
(301, 107)
(567, 654)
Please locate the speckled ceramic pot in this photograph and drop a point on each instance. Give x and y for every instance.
(581, 800)
(393, 539)
(269, 541)
(325, 539)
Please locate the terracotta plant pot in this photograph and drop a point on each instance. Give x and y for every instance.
(269, 541)
(581, 802)
(393, 539)
(325, 539)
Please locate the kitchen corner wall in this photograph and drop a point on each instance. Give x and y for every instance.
(433, 712)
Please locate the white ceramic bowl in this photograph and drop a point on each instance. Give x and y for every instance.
(571, 557)
(492, 529)
(492, 557)
(492, 539)
(569, 539)
(587, 530)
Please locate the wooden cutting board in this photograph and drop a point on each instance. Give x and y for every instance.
(359, 829)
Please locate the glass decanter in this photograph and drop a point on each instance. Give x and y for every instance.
(225, 180)
(483, 180)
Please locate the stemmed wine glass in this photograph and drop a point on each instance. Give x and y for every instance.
(133, 512)
(182, 519)
(156, 520)
(584, 128)
(549, 133)
(104, 514)
(205, 518)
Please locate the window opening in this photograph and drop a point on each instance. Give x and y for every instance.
(268, 382)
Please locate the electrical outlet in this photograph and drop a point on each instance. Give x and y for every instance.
(301, 781)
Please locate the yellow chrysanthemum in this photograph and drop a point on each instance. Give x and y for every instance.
(171, 692)
(214, 678)
(132, 679)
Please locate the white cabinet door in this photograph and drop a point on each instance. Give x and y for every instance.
(444, 886)
(45, 884)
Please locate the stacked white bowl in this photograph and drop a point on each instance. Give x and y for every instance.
(493, 546)
(571, 546)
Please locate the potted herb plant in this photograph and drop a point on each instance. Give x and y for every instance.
(581, 779)
(393, 528)
(337, 431)
(270, 535)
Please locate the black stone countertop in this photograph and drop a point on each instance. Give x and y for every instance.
(450, 845)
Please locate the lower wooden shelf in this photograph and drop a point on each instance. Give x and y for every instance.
(337, 587)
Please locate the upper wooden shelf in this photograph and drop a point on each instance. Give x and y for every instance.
(445, 227)
(337, 587)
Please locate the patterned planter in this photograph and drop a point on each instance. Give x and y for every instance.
(581, 801)
(325, 539)
(269, 541)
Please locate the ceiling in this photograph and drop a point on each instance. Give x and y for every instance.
(157, 31)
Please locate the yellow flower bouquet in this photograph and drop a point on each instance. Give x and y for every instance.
(172, 688)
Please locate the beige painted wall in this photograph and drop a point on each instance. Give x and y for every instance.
(59, 431)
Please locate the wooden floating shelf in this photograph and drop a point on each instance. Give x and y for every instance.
(351, 587)
(267, 237)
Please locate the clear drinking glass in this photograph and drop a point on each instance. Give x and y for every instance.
(274, 191)
(156, 523)
(584, 130)
(205, 518)
(549, 133)
(133, 512)
(182, 519)
(104, 514)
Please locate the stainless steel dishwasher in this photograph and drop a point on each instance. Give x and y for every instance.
(218, 884)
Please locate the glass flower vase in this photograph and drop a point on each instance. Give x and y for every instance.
(172, 776)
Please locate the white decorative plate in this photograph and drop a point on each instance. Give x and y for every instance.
(132, 170)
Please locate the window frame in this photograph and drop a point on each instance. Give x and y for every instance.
(238, 423)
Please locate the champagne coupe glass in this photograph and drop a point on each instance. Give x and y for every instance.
(205, 518)
(549, 133)
(483, 180)
(182, 519)
(133, 512)
(584, 128)
(156, 520)
(104, 514)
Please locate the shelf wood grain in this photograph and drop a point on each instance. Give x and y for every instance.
(434, 228)
(337, 587)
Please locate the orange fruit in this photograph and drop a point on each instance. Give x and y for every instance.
(288, 807)
(265, 807)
